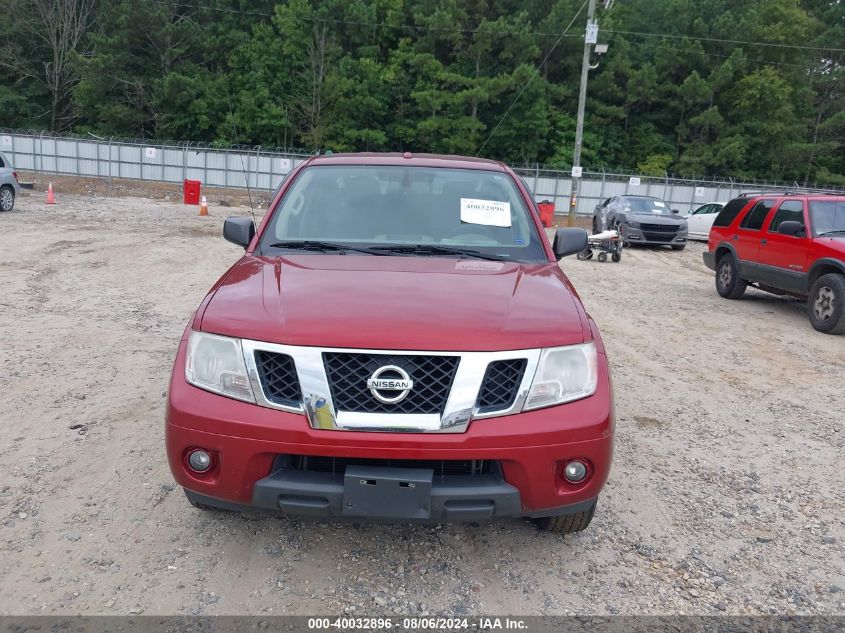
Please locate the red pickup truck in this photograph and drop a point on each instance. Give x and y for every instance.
(397, 343)
(786, 244)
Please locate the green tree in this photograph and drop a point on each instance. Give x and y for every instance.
(453, 76)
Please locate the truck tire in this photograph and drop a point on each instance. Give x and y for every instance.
(826, 304)
(567, 523)
(7, 198)
(728, 282)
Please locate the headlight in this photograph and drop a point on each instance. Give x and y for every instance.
(216, 363)
(564, 374)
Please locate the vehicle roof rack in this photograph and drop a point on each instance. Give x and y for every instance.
(748, 194)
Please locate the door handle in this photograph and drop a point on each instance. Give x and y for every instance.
(764, 241)
(735, 237)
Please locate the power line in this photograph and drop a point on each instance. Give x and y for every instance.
(531, 79)
(482, 30)
(759, 61)
(723, 41)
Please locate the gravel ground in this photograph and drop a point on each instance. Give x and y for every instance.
(726, 494)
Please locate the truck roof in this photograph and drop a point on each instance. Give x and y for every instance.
(407, 158)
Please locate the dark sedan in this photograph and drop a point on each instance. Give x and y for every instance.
(641, 220)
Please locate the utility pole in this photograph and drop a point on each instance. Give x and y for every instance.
(589, 40)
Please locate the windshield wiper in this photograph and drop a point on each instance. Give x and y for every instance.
(834, 232)
(434, 249)
(322, 247)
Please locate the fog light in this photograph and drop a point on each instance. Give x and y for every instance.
(575, 471)
(199, 460)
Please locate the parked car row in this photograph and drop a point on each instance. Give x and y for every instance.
(781, 243)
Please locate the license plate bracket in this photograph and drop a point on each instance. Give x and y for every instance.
(384, 492)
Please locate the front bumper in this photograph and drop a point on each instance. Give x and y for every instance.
(636, 235)
(527, 449)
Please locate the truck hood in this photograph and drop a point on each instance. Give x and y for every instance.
(397, 303)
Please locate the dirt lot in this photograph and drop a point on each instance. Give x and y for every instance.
(727, 492)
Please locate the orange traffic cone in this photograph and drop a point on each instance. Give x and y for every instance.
(204, 206)
(51, 198)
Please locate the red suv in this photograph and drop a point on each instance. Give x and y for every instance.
(399, 343)
(787, 245)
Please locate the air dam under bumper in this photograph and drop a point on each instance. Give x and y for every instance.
(475, 501)
(388, 494)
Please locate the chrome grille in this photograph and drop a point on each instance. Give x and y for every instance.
(347, 375)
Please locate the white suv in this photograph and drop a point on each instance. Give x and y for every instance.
(9, 186)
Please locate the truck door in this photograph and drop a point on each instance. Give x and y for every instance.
(746, 238)
(785, 256)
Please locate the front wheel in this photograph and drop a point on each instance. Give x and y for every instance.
(826, 304)
(616, 257)
(728, 282)
(567, 523)
(602, 257)
(7, 198)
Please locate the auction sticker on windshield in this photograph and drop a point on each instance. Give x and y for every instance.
(489, 212)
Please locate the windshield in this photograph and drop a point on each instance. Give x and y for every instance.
(828, 216)
(396, 207)
(646, 205)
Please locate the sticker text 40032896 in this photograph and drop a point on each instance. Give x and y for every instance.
(489, 212)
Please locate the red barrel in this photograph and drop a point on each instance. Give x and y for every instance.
(547, 212)
(191, 191)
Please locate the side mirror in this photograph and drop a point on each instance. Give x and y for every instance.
(569, 241)
(791, 227)
(675, 211)
(239, 231)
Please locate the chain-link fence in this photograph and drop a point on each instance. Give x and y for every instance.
(682, 194)
(263, 168)
(234, 167)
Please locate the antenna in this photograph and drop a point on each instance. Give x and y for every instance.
(243, 166)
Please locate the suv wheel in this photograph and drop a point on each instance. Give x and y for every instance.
(567, 523)
(728, 283)
(7, 198)
(826, 304)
